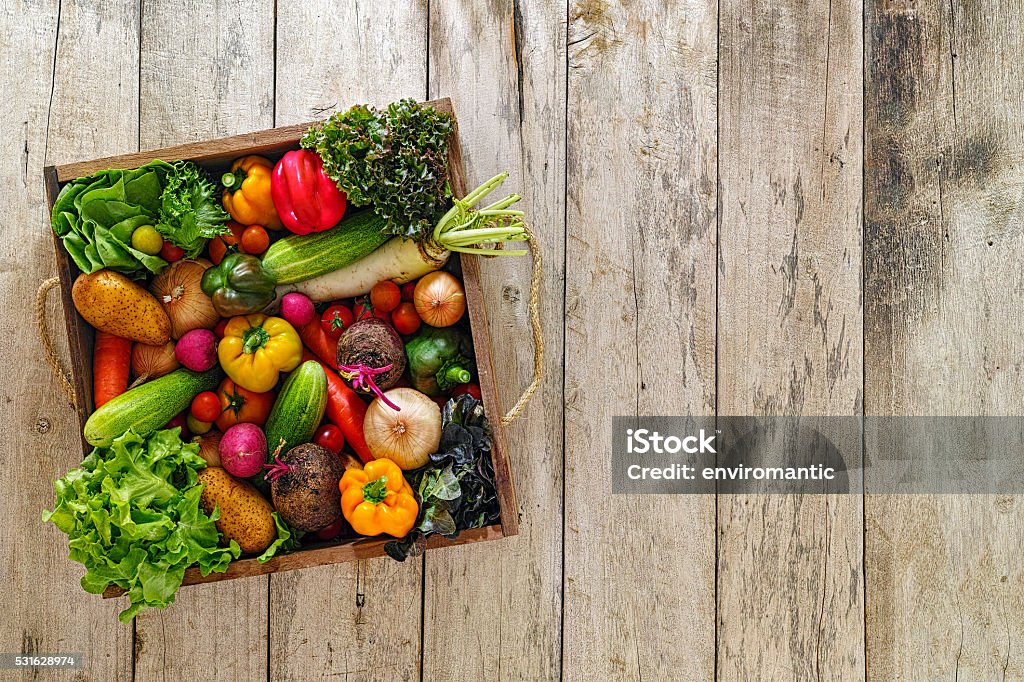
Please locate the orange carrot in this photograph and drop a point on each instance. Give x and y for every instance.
(111, 362)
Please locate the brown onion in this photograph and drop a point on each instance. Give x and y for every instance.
(439, 299)
(209, 447)
(177, 288)
(150, 362)
(407, 437)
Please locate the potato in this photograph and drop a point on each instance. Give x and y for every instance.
(112, 303)
(244, 513)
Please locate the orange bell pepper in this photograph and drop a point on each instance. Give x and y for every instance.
(377, 499)
(247, 195)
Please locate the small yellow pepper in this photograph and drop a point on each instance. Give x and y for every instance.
(377, 499)
(247, 195)
(256, 348)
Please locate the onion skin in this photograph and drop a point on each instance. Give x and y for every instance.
(209, 447)
(440, 299)
(179, 292)
(407, 437)
(153, 362)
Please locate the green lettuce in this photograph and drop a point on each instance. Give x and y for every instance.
(288, 540)
(190, 210)
(133, 519)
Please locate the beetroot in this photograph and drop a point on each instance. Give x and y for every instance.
(197, 350)
(304, 486)
(371, 357)
(243, 450)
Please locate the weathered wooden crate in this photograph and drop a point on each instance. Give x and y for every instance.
(217, 155)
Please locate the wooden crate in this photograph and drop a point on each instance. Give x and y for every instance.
(217, 155)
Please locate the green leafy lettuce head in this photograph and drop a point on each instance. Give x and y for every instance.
(396, 160)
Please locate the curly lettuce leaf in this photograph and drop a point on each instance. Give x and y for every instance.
(288, 540)
(133, 518)
(190, 208)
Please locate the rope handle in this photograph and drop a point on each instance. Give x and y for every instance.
(538, 338)
(44, 335)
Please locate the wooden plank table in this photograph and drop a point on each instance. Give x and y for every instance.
(767, 208)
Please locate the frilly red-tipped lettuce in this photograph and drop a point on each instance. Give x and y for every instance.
(132, 516)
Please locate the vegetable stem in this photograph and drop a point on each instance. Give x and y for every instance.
(462, 226)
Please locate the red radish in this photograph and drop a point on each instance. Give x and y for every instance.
(243, 450)
(197, 350)
(179, 421)
(297, 309)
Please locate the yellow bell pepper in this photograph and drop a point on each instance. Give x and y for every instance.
(247, 195)
(377, 499)
(256, 348)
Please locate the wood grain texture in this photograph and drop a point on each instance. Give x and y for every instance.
(49, 117)
(190, 91)
(640, 331)
(790, 583)
(360, 620)
(943, 146)
(493, 611)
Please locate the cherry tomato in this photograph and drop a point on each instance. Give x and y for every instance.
(471, 389)
(221, 326)
(146, 239)
(330, 437)
(440, 400)
(329, 532)
(206, 406)
(385, 296)
(170, 253)
(405, 318)
(254, 240)
(407, 290)
(198, 427)
(335, 320)
(220, 244)
(362, 308)
(179, 421)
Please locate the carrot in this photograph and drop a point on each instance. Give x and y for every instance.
(345, 409)
(320, 344)
(111, 362)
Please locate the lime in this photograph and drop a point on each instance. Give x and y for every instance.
(146, 239)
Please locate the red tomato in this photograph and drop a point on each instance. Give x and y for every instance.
(405, 318)
(385, 296)
(407, 290)
(335, 320)
(239, 405)
(220, 244)
(254, 240)
(440, 400)
(219, 329)
(170, 253)
(329, 532)
(330, 437)
(362, 308)
(206, 406)
(471, 389)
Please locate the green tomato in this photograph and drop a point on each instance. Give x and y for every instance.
(146, 239)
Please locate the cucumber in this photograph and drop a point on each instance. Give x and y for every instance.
(298, 409)
(149, 406)
(301, 257)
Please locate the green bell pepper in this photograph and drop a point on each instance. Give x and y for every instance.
(439, 359)
(239, 285)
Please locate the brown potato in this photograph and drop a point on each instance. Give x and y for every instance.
(114, 304)
(245, 515)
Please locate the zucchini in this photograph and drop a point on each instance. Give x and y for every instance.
(301, 257)
(298, 409)
(149, 406)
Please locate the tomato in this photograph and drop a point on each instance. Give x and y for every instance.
(385, 296)
(146, 239)
(329, 532)
(198, 427)
(220, 244)
(335, 320)
(254, 240)
(405, 318)
(206, 406)
(362, 308)
(407, 290)
(330, 437)
(170, 253)
(471, 389)
(240, 405)
(219, 329)
(440, 400)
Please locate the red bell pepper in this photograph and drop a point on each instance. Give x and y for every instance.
(345, 409)
(306, 199)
